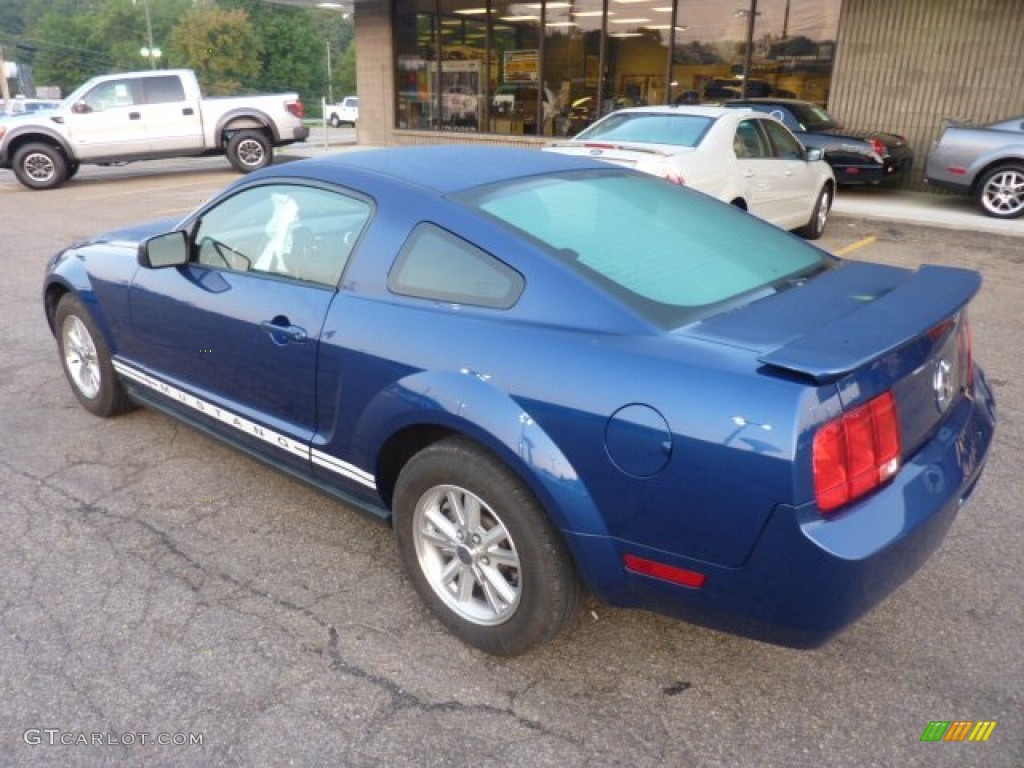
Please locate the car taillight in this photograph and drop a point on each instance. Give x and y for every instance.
(296, 107)
(856, 452)
(878, 147)
(674, 176)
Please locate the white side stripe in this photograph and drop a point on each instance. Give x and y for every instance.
(247, 427)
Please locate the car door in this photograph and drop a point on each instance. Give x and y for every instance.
(172, 120)
(757, 169)
(233, 335)
(797, 181)
(107, 121)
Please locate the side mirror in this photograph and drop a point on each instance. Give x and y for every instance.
(81, 108)
(167, 250)
(814, 154)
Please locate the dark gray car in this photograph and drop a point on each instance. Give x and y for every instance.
(984, 161)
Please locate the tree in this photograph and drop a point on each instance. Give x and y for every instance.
(62, 61)
(221, 46)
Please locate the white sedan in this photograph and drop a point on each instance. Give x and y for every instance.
(739, 156)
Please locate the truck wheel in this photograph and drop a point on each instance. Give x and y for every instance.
(335, 121)
(1001, 192)
(40, 166)
(249, 151)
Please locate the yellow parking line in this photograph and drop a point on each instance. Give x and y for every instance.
(862, 243)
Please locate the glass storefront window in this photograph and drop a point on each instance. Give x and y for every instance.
(551, 68)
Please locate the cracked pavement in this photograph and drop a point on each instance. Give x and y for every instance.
(156, 581)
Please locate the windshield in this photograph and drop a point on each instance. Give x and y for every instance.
(651, 128)
(672, 254)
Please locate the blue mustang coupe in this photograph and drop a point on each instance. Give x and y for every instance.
(552, 374)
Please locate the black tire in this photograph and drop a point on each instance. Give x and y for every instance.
(40, 166)
(513, 586)
(73, 169)
(249, 151)
(815, 228)
(334, 121)
(1000, 192)
(85, 357)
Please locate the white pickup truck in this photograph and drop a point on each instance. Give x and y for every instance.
(146, 116)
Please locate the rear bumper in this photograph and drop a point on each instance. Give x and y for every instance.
(299, 133)
(809, 577)
(891, 169)
(953, 186)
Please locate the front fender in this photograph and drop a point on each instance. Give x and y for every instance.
(467, 403)
(100, 277)
(25, 134)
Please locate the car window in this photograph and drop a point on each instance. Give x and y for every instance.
(163, 89)
(435, 264)
(113, 93)
(784, 144)
(671, 254)
(651, 127)
(284, 230)
(750, 142)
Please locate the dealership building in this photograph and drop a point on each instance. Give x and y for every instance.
(525, 73)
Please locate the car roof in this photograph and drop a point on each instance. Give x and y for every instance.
(678, 109)
(441, 169)
(771, 100)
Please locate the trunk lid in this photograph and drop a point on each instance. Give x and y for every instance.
(867, 328)
(891, 141)
(644, 157)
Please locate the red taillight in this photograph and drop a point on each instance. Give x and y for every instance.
(296, 107)
(856, 452)
(667, 572)
(878, 147)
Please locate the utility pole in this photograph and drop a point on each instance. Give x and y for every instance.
(748, 54)
(5, 91)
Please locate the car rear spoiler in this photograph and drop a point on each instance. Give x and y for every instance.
(880, 326)
(605, 145)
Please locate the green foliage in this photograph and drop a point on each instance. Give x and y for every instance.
(234, 45)
(221, 46)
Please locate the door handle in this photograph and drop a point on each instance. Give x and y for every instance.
(748, 174)
(134, 116)
(282, 331)
(188, 111)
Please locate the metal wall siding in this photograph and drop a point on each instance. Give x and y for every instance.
(905, 65)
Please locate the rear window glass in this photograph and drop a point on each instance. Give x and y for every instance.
(164, 89)
(672, 254)
(653, 128)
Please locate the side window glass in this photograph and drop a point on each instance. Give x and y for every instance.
(434, 264)
(285, 230)
(163, 89)
(784, 143)
(113, 93)
(749, 142)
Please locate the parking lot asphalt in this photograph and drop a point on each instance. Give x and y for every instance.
(170, 602)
